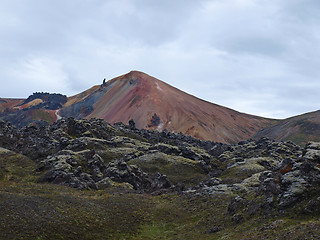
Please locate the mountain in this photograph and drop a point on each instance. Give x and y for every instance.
(153, 104)
(299, 129)
(7, 104)
(39, 108)
(84, 178)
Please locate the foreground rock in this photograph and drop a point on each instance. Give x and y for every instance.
(92, 154)
(252, 188)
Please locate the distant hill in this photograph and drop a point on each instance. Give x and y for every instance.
(39, 108)
(44, 100)
(7, 104)
(299, 129)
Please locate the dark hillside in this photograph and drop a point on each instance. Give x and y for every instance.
(50, 101)
(299, 129)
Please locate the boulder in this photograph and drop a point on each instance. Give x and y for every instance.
(120, 171)
(159, 182)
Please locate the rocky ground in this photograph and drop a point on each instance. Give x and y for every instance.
(139, 184)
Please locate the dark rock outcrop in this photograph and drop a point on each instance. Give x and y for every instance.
(92, 154)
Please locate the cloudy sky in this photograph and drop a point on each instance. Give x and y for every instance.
(255, 56)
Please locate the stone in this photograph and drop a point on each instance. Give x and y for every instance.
(236, 204)
(160, 181)
(217, 150)
(294, 186)
(215, 229)
(213, 182)
(312, 155)
(166, 148)
(252, 182)
(313, 145)
(313, 206)
(92, 154)
(132, 124)
(120, 171)
(237, 218)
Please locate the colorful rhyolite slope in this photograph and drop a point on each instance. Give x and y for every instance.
(20, 114)
(6, 104)
(153, 104)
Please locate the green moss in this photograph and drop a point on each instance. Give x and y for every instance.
(302, 139)
(44, 211)
(16, 167)
(155, 231)
(43, 115)
(56, 212)
(177, 168)
(112, 154)
(241, 171)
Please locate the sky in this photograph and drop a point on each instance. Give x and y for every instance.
(255, 56)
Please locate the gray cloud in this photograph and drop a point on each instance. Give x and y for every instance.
(256, 56)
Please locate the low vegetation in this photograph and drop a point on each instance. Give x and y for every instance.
(89, 180)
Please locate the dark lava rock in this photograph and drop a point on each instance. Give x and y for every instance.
(312, 152)
(90, 154)
(236, 204)
(160, 181)
(217, 149)
(120, 171)
(215, 229)
(313, 206)
(237, 218)
(132, 124)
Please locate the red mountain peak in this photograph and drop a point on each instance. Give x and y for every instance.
(152, 103)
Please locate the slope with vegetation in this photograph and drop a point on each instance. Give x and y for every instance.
(87, 179)
(299, 129)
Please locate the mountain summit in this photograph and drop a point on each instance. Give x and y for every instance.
(153, 104)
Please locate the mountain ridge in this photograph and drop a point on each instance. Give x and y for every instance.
(300, 129)
(156, 105)
(141, 97)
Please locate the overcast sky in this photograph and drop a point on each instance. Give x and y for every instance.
(256, 56)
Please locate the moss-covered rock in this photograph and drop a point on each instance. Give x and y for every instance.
(312, 152)
(176, 168)
(16, 167)
(262, 189)
(242, 170)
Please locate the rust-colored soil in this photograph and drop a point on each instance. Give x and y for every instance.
(7, 104)
(30, 104)
(154, 104)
